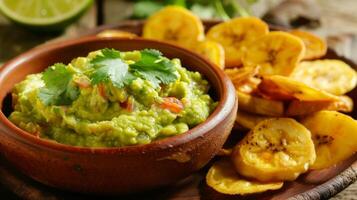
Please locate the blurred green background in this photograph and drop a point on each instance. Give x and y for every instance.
(16, 39)
(336, 22)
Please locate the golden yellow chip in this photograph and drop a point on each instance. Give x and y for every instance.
(249, 120)
(116, 33)
(174, 24)
(240, 75)
(277, 53)
(333, 76)
(284, 88)
(224, 179)
(249, 86)
(276, 149)
(258, 105)
(299, 108)
(244, 79)
(315, 46)
(213, 51)
(334, 135)
(235, 34)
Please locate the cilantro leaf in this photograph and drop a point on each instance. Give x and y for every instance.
(109, 67)
(48, 96)
(59, 88)
(154, 67)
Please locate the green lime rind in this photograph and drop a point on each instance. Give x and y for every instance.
(53, 28)
(54, 23)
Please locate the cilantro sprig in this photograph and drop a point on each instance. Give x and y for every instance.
(154, 67)
(59, 88)
(108, 67)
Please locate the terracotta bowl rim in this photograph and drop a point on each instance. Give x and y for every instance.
(224, 107)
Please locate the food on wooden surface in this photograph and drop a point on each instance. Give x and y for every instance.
(285, 88)
(316, 47)
(278, 149)
(174, 24)
(333, 76)
(271, 80)
(223, 178)
(211, 50)
(259, 105)
(277, 53)
(334, 135)
(235, 34)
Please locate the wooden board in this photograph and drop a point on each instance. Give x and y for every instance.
(313, 185)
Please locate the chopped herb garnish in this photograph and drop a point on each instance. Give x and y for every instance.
(109, 67)
(154, 67)
(59, 88)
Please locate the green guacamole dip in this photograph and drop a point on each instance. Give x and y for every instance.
(97, 110)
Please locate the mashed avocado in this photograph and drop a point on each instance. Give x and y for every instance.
(112, 99)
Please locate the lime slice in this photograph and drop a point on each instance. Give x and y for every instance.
(44, 13)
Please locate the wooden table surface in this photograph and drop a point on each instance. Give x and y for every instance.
(338, 26)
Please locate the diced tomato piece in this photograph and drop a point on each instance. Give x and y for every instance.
(82, 83)
(101, 90)
(128, 105)
(172, 104)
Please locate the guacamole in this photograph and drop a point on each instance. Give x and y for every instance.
(112, 99)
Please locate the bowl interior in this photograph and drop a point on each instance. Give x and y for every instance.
(37, 60)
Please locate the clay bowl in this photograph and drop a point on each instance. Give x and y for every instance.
(113, 170)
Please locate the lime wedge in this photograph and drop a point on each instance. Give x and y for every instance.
(44, 13)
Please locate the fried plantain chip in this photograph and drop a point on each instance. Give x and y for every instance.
(284, 88)
(299, 108)
(223, 178)
(235, 34)
(110, 33)
(211, 50)
(276, 149)
(277, 53)
(334, 135)
(315, 46)
(174, 24)
(333, 76)
(249, 120)
(258, 105)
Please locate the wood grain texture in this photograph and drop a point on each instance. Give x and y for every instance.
(331, 187)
